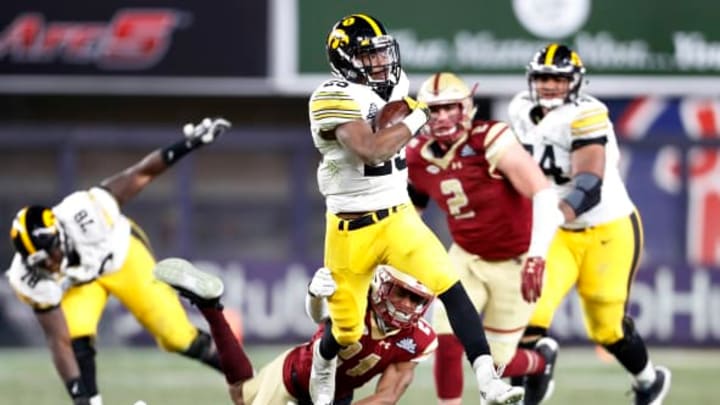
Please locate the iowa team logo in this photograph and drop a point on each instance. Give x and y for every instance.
(338, 38)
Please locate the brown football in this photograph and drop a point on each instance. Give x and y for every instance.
(392, 113)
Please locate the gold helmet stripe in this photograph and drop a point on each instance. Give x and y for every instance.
(575, 59)
(21, 227)
(372, 23)
(550, 55)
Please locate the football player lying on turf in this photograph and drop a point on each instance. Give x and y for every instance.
(396, 338)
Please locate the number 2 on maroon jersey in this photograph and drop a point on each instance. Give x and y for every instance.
(458, 200)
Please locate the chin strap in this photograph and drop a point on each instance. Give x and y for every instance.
(381, 325)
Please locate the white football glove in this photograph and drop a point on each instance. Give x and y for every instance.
(322, 284)
(206, 131)
(81, 274)
(493, 389)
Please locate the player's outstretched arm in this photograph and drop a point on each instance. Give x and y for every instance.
(58, 340)
(521, 169)
(128, 183)
(392, 384)
(527, 178)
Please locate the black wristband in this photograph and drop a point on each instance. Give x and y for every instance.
(176, 151)
(76, 388)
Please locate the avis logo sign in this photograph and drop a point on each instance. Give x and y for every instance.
(132, 40)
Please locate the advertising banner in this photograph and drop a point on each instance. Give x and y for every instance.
(663, 47)
(672, 305)
(675, 176)
(103, 47)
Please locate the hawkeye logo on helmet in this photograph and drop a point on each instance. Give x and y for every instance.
(575, 59)
(338, 38)
(48, 218)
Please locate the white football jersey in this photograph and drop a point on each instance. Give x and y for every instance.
(95, 228)
(551, 141)
(348, 184)
(41, 292)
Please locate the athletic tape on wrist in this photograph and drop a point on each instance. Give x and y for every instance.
(416, 120)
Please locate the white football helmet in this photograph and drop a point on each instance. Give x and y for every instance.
(442, 89)
(399, 300)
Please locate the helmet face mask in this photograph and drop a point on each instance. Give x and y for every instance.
(36, 235)
(360, 51)
(397, 299)
(555, 75)
(451, 104)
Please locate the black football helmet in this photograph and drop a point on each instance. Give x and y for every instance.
(35, 234)
(556, 60)
(360, 50)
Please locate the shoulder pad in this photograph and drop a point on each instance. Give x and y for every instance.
(335, 102)
(489, 127)
(590, 118)
(519, 104)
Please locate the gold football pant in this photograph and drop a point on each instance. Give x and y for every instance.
(600, 261)
(494, 289)
(153, 303)
(397, 237)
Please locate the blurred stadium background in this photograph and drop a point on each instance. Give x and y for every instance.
(86, 89)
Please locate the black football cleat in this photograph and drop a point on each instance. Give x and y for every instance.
(539, 387)
(654, 394)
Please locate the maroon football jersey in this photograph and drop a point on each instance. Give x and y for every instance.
(485, 214)
(359, 363)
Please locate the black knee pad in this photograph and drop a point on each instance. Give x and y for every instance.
(630, 350)
(531, 335)
(630, 337)
(84, 350)
(83, 347)
(203, 349)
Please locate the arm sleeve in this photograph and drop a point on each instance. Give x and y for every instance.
(418, 198)
(546, 219)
